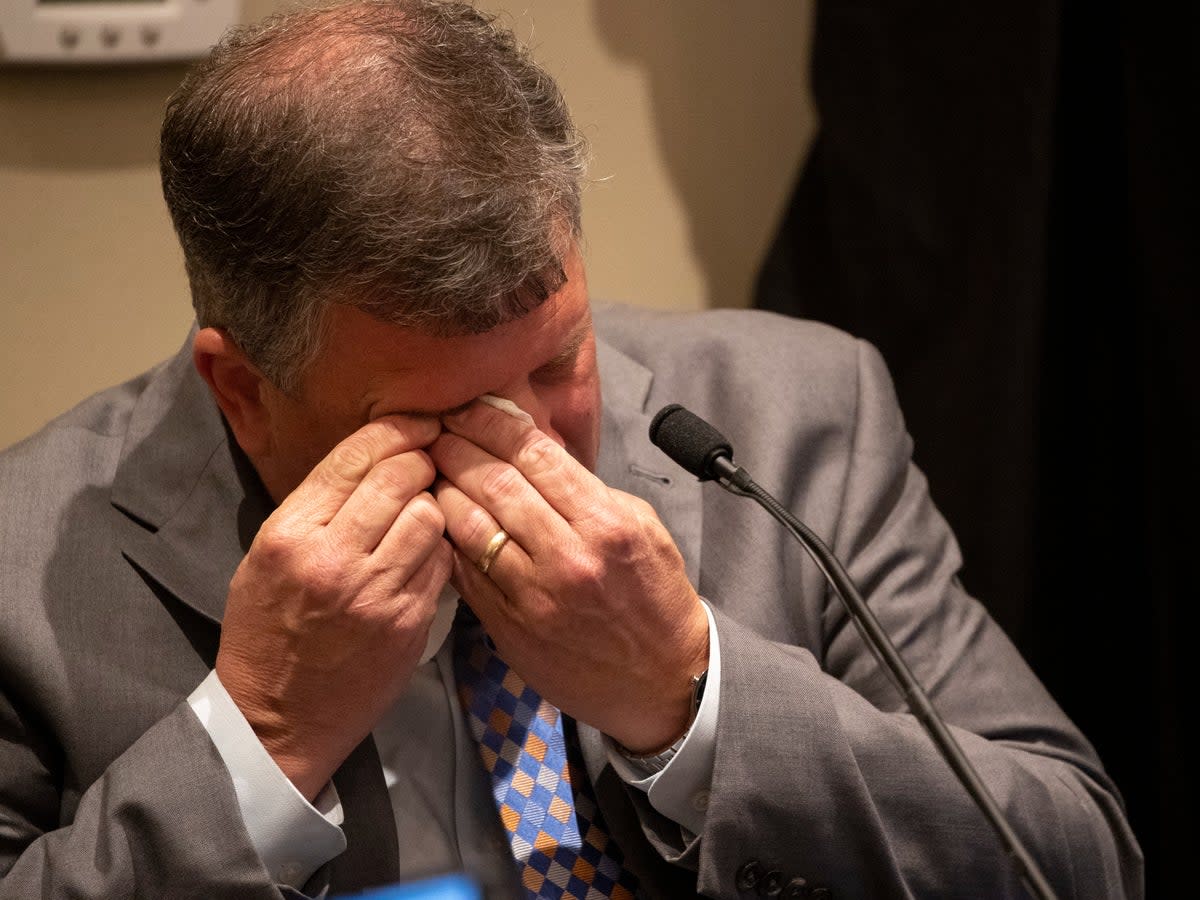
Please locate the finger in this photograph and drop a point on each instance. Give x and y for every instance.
(486, 599)
(429, 578)
(334, 479)
(472, 528)
(501, 490)
(415, 534)
(414, 604)
(384, 491)
(566, 484)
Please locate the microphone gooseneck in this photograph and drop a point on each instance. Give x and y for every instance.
(702, 450)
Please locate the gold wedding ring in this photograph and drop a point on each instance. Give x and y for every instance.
(494, 546)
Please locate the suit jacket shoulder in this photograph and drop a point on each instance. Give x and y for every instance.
(109, 785)
(820, 772)
(732, 350)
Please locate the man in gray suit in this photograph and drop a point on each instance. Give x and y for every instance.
(224, 668)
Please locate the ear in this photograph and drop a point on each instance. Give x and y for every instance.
(238, 387)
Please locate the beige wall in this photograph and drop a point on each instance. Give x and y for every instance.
(697, 111)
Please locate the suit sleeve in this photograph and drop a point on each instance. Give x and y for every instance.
(823, 777)
(162, 821)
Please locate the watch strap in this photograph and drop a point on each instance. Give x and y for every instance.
(653, 763)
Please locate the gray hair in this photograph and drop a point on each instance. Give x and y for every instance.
(405, 157)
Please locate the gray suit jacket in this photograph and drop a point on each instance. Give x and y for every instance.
(122, 522)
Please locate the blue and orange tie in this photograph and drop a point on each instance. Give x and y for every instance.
(557, 835)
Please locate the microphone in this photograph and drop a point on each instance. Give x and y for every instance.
(702, 450)
(689, 440)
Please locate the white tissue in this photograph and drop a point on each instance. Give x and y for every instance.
(447, 606)
(505, 405)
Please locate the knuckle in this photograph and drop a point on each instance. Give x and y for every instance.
(409, 622)
(426, 515)
(404, 430)
(630, 528)
(583, 571)
(401, 477)
(625, 537)
(660, 539)
(350, 460)
(603, 522)
(274, 545)
(391, 479)
(449, 449)
(623, 544)
(501, 482)
(321, 571)
(609, 521)
(382, 438)
(538, 452)
(489, 427)
(477, 529)
(640, 508)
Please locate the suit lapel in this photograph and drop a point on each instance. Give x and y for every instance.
(191, 505)
(191, 500)
(630, 463)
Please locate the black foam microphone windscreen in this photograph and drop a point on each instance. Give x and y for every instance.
(688, 439)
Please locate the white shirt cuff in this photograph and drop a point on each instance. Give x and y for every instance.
(680, 791)
(293, 837)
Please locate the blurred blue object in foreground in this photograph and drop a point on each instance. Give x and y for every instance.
(447, 887)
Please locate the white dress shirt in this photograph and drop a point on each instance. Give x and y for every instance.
(294, 838)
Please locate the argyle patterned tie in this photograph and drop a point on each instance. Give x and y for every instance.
(558, 838)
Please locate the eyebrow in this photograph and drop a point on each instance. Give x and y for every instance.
(571, 348)
(569, 351)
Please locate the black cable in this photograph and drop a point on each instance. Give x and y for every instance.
(737, 480)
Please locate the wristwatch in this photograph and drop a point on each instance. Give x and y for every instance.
(654, 763)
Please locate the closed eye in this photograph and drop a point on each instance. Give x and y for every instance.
(562, 366)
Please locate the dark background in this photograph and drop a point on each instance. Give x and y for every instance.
(1004, 199)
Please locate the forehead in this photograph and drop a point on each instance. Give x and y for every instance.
(379, 368)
